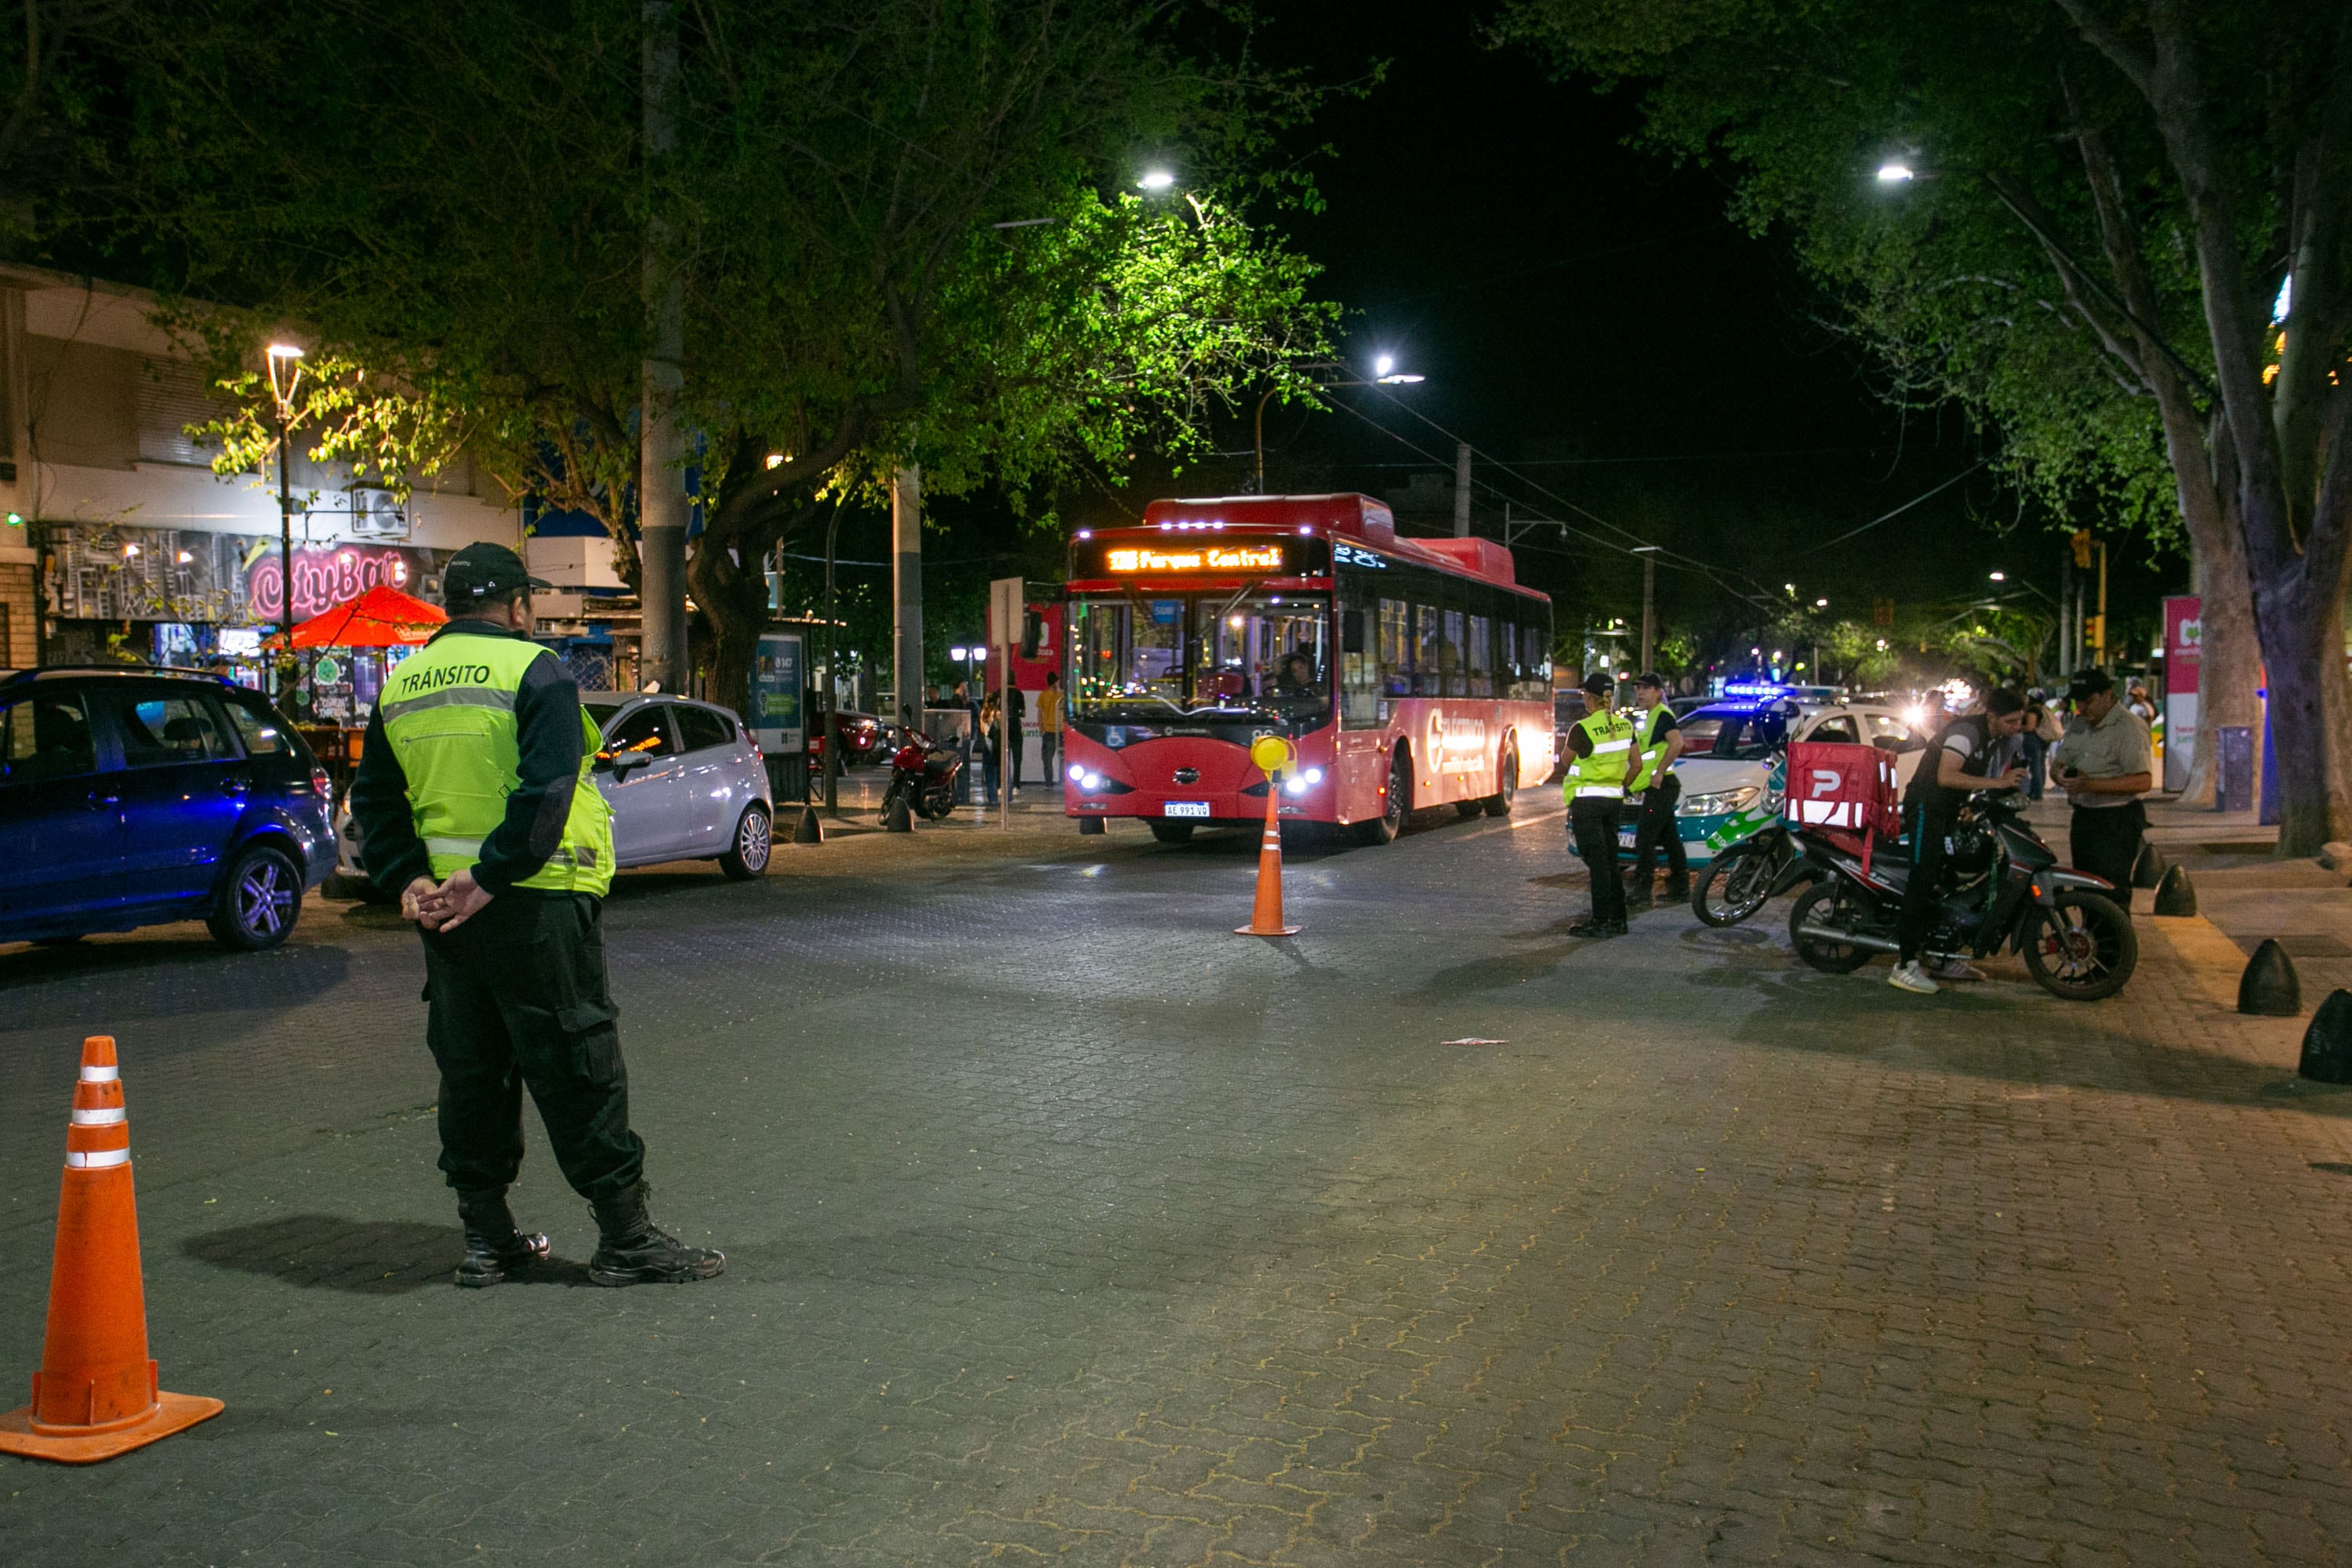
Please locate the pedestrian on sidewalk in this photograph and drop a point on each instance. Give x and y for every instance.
(2042, 731)
(1600, 753)
(1049, 723)
(1016, 716)
(1657, 742)
(988, 732)
(475, 801)
(2105, 765)
(1931, 806)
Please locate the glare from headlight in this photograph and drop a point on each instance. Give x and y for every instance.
(1314, 775)
(1091, 781)
(1296, 786)
(1716, 804)
(1077, 772)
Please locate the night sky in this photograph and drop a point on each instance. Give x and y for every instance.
(1585, 312)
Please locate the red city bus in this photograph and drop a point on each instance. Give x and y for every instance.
(1411, 672)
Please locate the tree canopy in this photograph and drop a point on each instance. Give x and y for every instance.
(2089, 212)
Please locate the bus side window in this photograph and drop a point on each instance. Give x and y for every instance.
(1351, 631)
(1396, 648)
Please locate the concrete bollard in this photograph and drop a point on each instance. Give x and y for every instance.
(808, 829)
(2327, 1043)
(2270, 988)
(2176, 895)
(2149, 870)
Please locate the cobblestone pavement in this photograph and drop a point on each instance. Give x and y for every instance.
(1062, 1223)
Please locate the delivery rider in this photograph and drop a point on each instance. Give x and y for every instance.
(475, 808)
(1601, 754)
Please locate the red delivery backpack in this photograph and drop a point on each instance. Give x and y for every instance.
(1839, 784)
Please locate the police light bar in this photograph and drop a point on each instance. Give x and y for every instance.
(1754, 688)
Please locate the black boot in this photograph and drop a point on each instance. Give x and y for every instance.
(1593, 926)
(493, 1245)
(633, 1250)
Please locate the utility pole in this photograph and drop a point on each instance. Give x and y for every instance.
(906, 590)
(1461, 489)
(1649, 554)
(2102, 622)
(2065, 615)
(661, 450)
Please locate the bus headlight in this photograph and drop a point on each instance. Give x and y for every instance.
(1089, 781)
(1077, 772)
(1314, 775)
(1296, 785)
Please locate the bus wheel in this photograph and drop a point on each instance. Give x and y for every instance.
(1395, 807)
(1507, 783)
(1172, 832)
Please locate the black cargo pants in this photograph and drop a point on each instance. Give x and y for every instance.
(519, 1001)
(1592, 822)
(1655, 835)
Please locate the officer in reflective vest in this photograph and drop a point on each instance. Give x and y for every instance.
(1657, 742)
(1600, 753)
(475, 808)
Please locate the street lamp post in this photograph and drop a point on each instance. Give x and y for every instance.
(286, 359)
(1384, 374)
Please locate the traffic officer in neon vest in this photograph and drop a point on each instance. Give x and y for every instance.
(476, 807)
(1657, 742)
(1600, 755)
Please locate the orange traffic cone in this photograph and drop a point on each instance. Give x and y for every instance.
(1265, 918)
(96, 1395)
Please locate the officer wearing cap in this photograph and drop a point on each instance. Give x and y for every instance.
(2105, 765)
(476, 806)
(1601, 754)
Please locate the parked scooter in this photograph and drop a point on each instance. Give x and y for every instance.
(924, 774)
(2005, 889)
(1753, 861)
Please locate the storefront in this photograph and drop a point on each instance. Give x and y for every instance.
(197, 599)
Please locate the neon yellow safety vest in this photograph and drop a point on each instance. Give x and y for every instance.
(449, 715)
(1602, 773)
(1652, 747)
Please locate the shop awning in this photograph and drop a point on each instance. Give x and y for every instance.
(381, 617)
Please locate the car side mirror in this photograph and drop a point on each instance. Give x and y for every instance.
(1887, 743)
(622, 763)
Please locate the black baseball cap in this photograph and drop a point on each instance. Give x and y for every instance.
(1598, 685)
(2088, 683)
(484, 571)
(1650, 678)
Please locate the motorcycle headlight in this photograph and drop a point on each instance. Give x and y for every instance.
(1723, 801)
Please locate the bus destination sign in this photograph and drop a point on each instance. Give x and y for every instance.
(1247, 557)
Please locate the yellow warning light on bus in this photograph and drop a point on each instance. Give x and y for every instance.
(1208, 558)
(1271, 751)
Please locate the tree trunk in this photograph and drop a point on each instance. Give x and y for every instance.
(2229, 665)
(2295, 623)
(734, 605)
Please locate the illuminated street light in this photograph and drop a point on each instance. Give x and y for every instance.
(1820, 603)
(2000, 576)
(1895, 172)
(1156, 180)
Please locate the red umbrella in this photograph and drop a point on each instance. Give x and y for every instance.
(381, 617)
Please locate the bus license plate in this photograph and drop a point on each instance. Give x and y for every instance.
(1185, 808)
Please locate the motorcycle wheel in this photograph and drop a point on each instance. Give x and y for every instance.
(2081, 947)
(1735, 884)
(1824, 903)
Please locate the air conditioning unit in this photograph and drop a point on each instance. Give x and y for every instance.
(378, 515)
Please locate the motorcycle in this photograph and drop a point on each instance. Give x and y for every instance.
(1754, 860)
(924, 775)
(2005, 889)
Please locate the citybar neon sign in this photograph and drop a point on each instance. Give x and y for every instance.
(1208, 558)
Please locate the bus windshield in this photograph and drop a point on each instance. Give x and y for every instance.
(1142, 656)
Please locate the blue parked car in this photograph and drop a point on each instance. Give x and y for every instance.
(135, 797)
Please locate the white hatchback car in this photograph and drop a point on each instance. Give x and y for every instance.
(684, 779)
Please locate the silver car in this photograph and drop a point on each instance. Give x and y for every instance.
(684, 779)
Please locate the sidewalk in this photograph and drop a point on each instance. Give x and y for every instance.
(2242, 891)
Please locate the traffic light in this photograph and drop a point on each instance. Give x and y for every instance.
(2095, 632)
(2082, 542)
